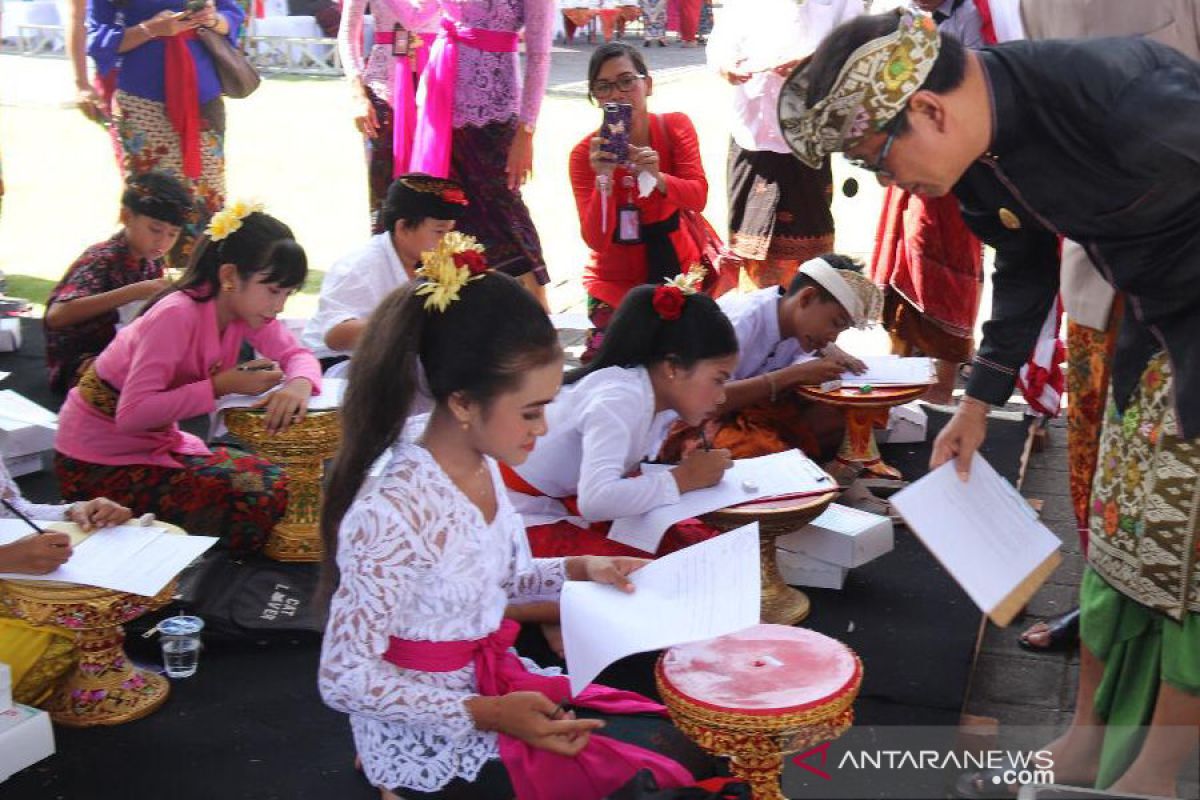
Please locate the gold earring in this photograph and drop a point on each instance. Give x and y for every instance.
(465, 424)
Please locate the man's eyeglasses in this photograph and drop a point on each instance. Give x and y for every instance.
(624, 83)
(877, 166)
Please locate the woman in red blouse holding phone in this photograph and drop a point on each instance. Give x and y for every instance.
(629, 207)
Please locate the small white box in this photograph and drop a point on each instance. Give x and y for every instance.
(25, 465)
(26, 737)
(907, 423)
(798, 569)
(25, 427)
(10, 334)
(5, 687)
(843, 536)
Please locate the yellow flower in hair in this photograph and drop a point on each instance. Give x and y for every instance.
(690, 281)
(455, 262)
(229, 219)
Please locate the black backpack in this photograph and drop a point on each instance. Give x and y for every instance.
(249, 598)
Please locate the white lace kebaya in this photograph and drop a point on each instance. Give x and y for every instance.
(418, 561)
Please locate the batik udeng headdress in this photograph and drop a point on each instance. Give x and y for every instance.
(861, 298)
(873, 86)
(445, 270)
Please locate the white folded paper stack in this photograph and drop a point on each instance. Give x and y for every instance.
(5, 687)
(26, 737)
(821, 553)
(906, 423)
(26, 433)
(10, 334)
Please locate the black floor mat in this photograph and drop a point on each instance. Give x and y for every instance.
(250, 723)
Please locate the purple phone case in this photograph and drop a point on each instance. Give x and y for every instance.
(618, 118)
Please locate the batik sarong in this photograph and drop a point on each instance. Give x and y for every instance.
(779, 210)
(150, 142)
(497, 216)
(230, 494)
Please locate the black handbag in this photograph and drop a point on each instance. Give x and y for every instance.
(237, 75)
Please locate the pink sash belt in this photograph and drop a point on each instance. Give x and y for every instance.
(435, 98)
(598, 770)
(404, 104)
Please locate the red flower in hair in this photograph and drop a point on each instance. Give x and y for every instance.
(454, 195)
(668, 302)
(473, 260)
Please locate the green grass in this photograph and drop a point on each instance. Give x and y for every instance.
(33, 289)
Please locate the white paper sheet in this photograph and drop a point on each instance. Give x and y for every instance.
(332, 390)
(892, 371)
(789, 472)
(706, 590)
(126, 558)
(330, 397)
(984, 533)
(20, 409)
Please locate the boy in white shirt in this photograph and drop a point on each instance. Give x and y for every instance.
(785, 340)
(418, 211)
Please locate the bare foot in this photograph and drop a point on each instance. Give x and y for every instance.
(1147, 785)
(1076, 755)
(1037, 635)
(553, 633)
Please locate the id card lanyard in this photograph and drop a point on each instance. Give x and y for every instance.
(629, 217)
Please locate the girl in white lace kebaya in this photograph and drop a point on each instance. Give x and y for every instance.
(424, 561)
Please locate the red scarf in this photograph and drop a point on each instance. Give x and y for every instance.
(183, 99)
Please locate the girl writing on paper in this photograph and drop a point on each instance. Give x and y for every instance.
(667, 356)
(118, 432)
(40, 655)
(424, 560)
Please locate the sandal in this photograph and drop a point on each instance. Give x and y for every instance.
(986, 784)
(1063, 632)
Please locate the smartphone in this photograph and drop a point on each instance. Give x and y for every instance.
(618, 119)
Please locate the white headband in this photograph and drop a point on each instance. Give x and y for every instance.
(831, 279)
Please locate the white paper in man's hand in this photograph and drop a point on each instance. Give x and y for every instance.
(706, 590)
(984, 533)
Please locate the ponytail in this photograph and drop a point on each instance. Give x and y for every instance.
(482, 344)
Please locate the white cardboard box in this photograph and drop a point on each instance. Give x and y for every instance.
(26, 429)
(842, 536)
(5, 687)
(10, 334)
(906, 423)
(26, 737)
(27, 464)
(798, 569)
